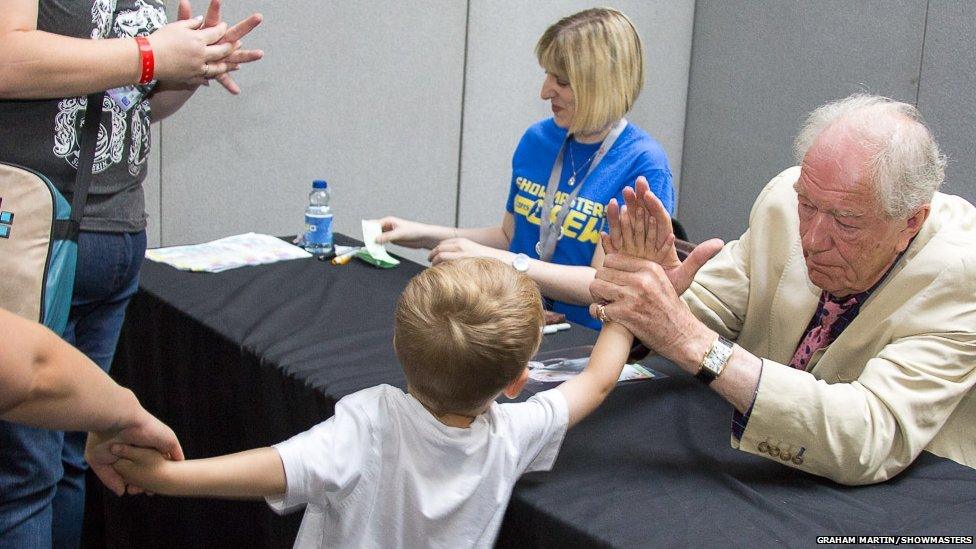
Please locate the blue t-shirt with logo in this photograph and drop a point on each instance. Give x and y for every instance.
(635, 153)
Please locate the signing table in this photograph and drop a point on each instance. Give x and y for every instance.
(252, 356)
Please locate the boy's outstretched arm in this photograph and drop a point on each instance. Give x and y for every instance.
(586, 391)
(638, 231)
(251, 474)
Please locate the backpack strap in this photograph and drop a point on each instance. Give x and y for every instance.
(86, 160)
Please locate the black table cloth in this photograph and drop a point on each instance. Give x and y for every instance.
(251, 356)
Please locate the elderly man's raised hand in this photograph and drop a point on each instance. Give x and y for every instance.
(642, 229)
(637, 294)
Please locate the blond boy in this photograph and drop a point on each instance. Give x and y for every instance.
(431, 467)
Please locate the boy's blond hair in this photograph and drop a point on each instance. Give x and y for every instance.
(464, 330)
(599, 52)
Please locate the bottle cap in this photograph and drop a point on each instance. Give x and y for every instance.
(320, 184)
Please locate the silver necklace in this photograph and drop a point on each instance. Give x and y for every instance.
(572, 162)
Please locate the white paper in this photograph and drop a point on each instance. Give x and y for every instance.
(227, 253)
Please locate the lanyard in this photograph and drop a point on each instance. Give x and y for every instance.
(550, 233)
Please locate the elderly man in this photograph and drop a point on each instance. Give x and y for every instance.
(855, 283)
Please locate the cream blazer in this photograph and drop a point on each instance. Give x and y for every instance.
(895, 382)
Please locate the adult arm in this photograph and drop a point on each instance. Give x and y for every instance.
(870, 428)
(35, 64)
(413, 234)
(44, 382)
(568, 283)
(642, 289)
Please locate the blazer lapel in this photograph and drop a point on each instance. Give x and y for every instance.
(791, 308)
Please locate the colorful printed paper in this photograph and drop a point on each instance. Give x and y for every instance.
(227, 253)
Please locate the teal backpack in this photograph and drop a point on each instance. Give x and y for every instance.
(39, 234)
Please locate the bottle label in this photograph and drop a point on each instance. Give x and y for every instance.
(318, 230)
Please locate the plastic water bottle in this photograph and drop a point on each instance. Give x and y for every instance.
(318, 219)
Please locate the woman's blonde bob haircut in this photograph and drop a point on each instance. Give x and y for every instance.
(600, 54)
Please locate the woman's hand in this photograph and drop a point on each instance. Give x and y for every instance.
(183, 50)
(222, 67)
(456, 248)
(407, 233)
(146, 431)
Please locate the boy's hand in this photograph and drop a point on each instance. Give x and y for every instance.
(642, 229)
(142, 467)
(145, 431)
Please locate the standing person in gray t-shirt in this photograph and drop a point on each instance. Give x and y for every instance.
(53, 53)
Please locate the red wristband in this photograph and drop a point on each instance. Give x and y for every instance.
(147, 62)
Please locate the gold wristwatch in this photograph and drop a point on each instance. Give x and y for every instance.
(715, 360)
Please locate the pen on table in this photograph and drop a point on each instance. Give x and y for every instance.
(553, 328)
(345, 256)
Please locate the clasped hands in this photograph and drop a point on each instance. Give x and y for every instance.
(191, 51)
(103, 450)
(642, 278)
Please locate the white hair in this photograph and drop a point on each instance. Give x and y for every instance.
(905, 165)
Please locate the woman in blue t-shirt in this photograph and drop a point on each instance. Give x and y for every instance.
(585, 155)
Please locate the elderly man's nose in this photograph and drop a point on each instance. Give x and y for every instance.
(817, 237)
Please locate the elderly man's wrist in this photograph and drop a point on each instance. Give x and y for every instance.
(693, 348)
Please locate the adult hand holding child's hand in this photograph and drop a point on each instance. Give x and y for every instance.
(146, 431)
(141, 467)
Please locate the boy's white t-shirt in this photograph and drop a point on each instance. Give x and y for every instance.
(384, 472)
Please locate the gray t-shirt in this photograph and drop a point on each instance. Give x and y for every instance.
(44, 134)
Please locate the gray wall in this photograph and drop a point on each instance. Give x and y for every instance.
(369, 96)
(759, 66)
(364, 94)
(947, 89)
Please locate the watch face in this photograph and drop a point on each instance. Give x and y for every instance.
(714, 365)
(717, 356)
(521, 263)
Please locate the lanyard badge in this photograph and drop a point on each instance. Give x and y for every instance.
(550, 231)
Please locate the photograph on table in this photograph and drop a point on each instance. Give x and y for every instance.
(550, 368)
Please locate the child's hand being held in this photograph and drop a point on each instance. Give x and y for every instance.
(142, 467)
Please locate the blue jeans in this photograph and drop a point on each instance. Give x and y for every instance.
(42, 473)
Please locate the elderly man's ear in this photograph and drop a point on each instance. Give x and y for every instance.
(912, 225)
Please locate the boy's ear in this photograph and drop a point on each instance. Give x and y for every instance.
(515, 387)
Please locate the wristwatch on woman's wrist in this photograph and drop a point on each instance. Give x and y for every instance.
(520, 263)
